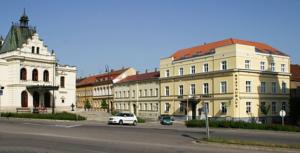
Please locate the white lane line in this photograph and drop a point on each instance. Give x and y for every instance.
(54, 125)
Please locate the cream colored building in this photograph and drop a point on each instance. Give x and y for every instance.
(138, 94)
(98, 88)
(234, 78)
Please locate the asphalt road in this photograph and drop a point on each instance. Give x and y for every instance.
(17, 136)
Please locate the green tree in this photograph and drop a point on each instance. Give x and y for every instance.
(87, 105)
(264, 110)
(104, 105)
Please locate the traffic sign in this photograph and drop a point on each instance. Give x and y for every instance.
(282, 113)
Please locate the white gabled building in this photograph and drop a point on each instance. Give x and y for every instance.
(30, 73)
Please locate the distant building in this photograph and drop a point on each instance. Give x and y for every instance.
(138, 94)
(30, 73)
(98, 88)
(295, 93)
(233, 78)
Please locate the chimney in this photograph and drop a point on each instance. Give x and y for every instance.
(146, 71)
(155, 70)
(137, 72)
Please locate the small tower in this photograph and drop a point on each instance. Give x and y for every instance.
(24, 20)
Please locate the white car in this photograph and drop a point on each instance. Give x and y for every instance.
(123, 118)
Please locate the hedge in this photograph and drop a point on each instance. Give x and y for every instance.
(56, 116)
(242, 125)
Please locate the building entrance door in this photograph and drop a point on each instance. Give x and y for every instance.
(134, 109)
(194, 111)
(36, 99)
(47, 99)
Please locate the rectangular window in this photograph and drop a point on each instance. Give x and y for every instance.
(262, 66)
(193, 89)
(248, 86)
(180, 72)
(193, 70)
(273, 67)
(62, 82)
(140, 93)
(282, 67)
(167, 93)
(223, 87)
(283, 87)
(151, 92)
(205, 88)
(180, 92)
(128, 94)
(151, 106)
(167, 107)
(274, 87)
(283, 106)
(273, 107)
(124, 93)
(205, 67)
(247, 64)
(248, 107)
(263, 87)
(224, 65)
(206, 106)
(156, 92)
(146, 106)
(133, 93)
(181, 107)
(38, 50)
(223, 108)
(146, 93)
(167, 73)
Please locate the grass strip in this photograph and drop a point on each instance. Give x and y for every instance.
(56, 116)
(250, 143)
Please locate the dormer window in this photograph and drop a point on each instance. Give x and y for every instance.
(32, 49)
(38, 50)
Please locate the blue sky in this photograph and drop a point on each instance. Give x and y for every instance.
(93, 33)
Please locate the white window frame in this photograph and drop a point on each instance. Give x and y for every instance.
(283, 84)
(193, 89)
(180, 90)
(282, 67)
(273, 67)
(263, 87)
(223, 65)
(221, 87)
(223, 108)
(248, 107)
(205, 88)
(180, 71)
(248, 86)
(262, 66)
(205, 67)
(167, 91)
(247, 64)
(193, 69)
(167, 73)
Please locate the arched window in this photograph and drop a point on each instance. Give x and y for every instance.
(23, 74)
(35, 75)
(46, 76)
(24, 99)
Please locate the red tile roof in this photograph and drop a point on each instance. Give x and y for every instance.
(99, 78)
(209, 48)
(140, 77)
(295, 71)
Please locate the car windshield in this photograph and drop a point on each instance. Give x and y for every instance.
(167, 118)
(119, 114)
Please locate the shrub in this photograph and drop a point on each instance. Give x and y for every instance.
(242, 125)
(87, 105)
(56, 116)
(141, 120)
(113, 113)
(104, 105)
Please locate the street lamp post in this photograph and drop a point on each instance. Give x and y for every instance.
(107, 70)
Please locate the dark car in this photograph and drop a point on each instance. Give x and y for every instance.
(166, 120)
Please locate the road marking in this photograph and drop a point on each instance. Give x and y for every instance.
(54, 125)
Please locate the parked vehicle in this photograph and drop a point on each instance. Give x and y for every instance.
(123, 118)
(166, 120)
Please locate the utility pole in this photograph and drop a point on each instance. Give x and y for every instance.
(206, 118)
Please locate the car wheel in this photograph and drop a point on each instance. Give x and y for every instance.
(121, 122)
(134, 123)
